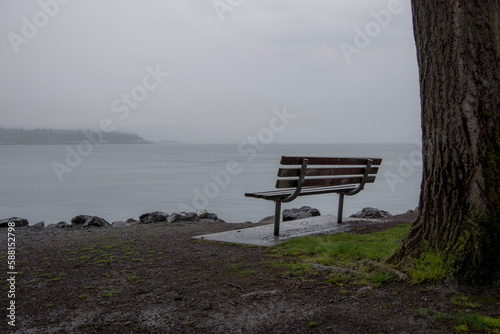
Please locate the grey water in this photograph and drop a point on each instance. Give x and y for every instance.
(54, 183)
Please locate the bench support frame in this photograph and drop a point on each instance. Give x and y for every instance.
(305, 161)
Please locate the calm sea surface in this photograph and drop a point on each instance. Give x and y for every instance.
(117, 182)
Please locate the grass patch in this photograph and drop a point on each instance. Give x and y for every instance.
(464, 301)
(463, 322)
(345, 250)
(476, 322)
(431, 267)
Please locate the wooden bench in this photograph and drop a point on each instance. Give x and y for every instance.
(345, 176)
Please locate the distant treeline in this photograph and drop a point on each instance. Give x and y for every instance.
(58, 137)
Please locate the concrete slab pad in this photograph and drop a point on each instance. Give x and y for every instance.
(263, 235)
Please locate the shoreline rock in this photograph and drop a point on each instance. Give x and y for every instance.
(18, 222)
(371, 213)
(153, 217)
(294, 214)
(88, 221)
(300, 213)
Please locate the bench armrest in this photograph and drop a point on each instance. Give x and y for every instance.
(361, 186)
(297, 191)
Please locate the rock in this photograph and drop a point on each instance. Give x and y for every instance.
(208, 216)
(118, 223)
(190, 216)
(84, 221)
(268, 219)
(131, 221)
(174, 217)
(128, 222)
(178, 217)
(301, 213)
(62, 224)
(153, 217)
(371, 213)
(39, 225)
(80, 220)
(96, 222)
(365, 291)
(18, 222)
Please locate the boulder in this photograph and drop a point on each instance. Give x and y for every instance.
(39, 225)
(153, 217)
(84, 221)
(62, 224)
(131, 221)
(190, 216)
(118, 223)
(266, 220)
(80, 220)
(95, 221)
(18, 222)
(182, 217)
(301, 213)
(209, 217)
(371, 213)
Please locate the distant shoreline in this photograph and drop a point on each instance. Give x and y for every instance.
(65, 137)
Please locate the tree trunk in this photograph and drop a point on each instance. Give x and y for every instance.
(458, 51)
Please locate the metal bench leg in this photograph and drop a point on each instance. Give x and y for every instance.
(277, 218)
(341, 208)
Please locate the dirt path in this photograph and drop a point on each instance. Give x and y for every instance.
(155, 279)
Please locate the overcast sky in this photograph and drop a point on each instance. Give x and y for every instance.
(346, 74)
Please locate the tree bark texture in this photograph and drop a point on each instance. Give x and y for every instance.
(458, 52)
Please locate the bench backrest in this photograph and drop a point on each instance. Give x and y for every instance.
(326, 172)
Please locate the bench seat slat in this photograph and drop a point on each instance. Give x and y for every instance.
(328, 161)
(324, 182)
(295, 172)
(275, 194)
